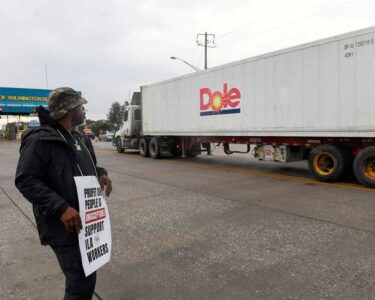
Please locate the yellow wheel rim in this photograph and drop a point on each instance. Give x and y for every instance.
(324, 164)
(370, 168)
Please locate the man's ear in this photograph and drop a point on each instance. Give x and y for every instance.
(69, 115)
(66, 120)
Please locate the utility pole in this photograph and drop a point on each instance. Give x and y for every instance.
(208, 39)
(46, 77)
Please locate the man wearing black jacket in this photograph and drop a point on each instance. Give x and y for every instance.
(50, 157)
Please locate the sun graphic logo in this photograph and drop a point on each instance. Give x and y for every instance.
(2, 97)
(216, 103)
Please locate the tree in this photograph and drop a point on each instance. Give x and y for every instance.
(97, 126)
(112, 123)
(89, 123)
(115, 114)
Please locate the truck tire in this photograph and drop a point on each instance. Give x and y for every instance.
(154, 148)
(329, 163)
(364, 166)
(143, 147)
(119, 147)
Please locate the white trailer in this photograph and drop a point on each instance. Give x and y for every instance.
(315, 101)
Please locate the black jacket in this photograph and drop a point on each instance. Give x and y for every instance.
(45, 176)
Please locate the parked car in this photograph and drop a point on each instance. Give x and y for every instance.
(106, 136)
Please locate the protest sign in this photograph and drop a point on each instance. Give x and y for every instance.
(95, 240)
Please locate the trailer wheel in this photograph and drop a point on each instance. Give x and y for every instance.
(143, 147)
(154, 148)
(364, 166)
(329, 163)
(119, 147)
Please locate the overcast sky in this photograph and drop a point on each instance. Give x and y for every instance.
(106, 48)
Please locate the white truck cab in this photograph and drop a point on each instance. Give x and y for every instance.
(131, 123)
(128, 134)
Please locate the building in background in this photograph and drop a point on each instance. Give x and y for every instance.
(17, 102)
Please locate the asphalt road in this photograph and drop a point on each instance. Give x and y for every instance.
(212, 227)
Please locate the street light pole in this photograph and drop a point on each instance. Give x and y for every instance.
(185, 62)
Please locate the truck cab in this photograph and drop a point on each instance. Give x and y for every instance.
(127, 137)
(131, 122)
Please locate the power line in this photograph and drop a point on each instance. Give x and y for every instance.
(257, 19)
(289, 23)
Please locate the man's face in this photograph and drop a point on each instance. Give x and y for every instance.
(78, 115)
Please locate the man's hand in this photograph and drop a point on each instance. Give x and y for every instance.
(71, 220)
(107, 183)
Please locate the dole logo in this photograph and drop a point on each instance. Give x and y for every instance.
(216, 103)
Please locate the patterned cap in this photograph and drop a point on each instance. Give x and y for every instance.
(62, 100)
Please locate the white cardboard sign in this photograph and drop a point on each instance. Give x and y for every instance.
(95, 239)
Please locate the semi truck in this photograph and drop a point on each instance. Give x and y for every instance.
(313, 102)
